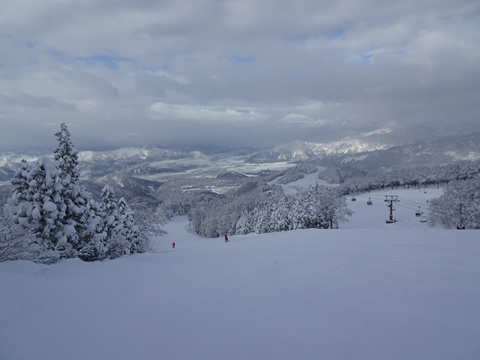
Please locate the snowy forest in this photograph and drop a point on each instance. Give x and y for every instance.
(268, 209)
(51, 215)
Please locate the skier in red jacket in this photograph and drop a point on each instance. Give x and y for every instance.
(173, 245)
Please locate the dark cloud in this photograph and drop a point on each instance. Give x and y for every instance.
(234, 72)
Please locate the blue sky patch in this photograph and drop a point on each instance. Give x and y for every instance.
(338, 32)
(366, 57)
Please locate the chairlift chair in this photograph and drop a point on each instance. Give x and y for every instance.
(418, 212)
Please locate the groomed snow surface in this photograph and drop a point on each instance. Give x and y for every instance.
(367, 291)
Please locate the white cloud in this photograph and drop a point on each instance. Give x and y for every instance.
(204, 114)
(179, 79)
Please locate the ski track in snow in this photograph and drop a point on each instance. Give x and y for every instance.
(366, 291)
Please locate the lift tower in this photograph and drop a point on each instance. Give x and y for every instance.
(390, 199)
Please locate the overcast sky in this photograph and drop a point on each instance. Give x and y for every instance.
(233, 72)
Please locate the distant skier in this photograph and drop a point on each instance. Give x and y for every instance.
(173, 245)
(226, 238)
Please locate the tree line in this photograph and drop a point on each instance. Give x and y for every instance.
(415, 177)
(267, 209)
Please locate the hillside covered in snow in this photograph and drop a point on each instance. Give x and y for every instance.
(368, 290)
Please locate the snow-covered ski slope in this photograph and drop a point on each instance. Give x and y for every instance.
(366, 291)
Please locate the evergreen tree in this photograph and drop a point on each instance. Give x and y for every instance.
(32, 204)
(74, 201)
(17, 205)
(43, 213)
(112, 224)
(66, 155)
(95, 245)
(129, 231)
(59, 216)
(20, 183)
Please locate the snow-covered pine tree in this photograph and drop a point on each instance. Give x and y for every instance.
(110, 244)
(66, 155)
(32, 205)
(43, 212)
(95, 245)
(74, 200)
(17, 204)
(20, 182)
(129, 230)
(54, 209)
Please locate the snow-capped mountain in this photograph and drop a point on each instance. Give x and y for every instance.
(431, 152)
(381, 139)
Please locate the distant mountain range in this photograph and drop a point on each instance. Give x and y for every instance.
(367, 142)
(380, 149)
(430, 152)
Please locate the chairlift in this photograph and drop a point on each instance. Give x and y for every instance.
(354, 198)
(418, 212)
(369, 202)
(391, 221)
(423, 219)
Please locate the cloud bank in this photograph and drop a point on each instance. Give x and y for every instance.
(234, 72)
